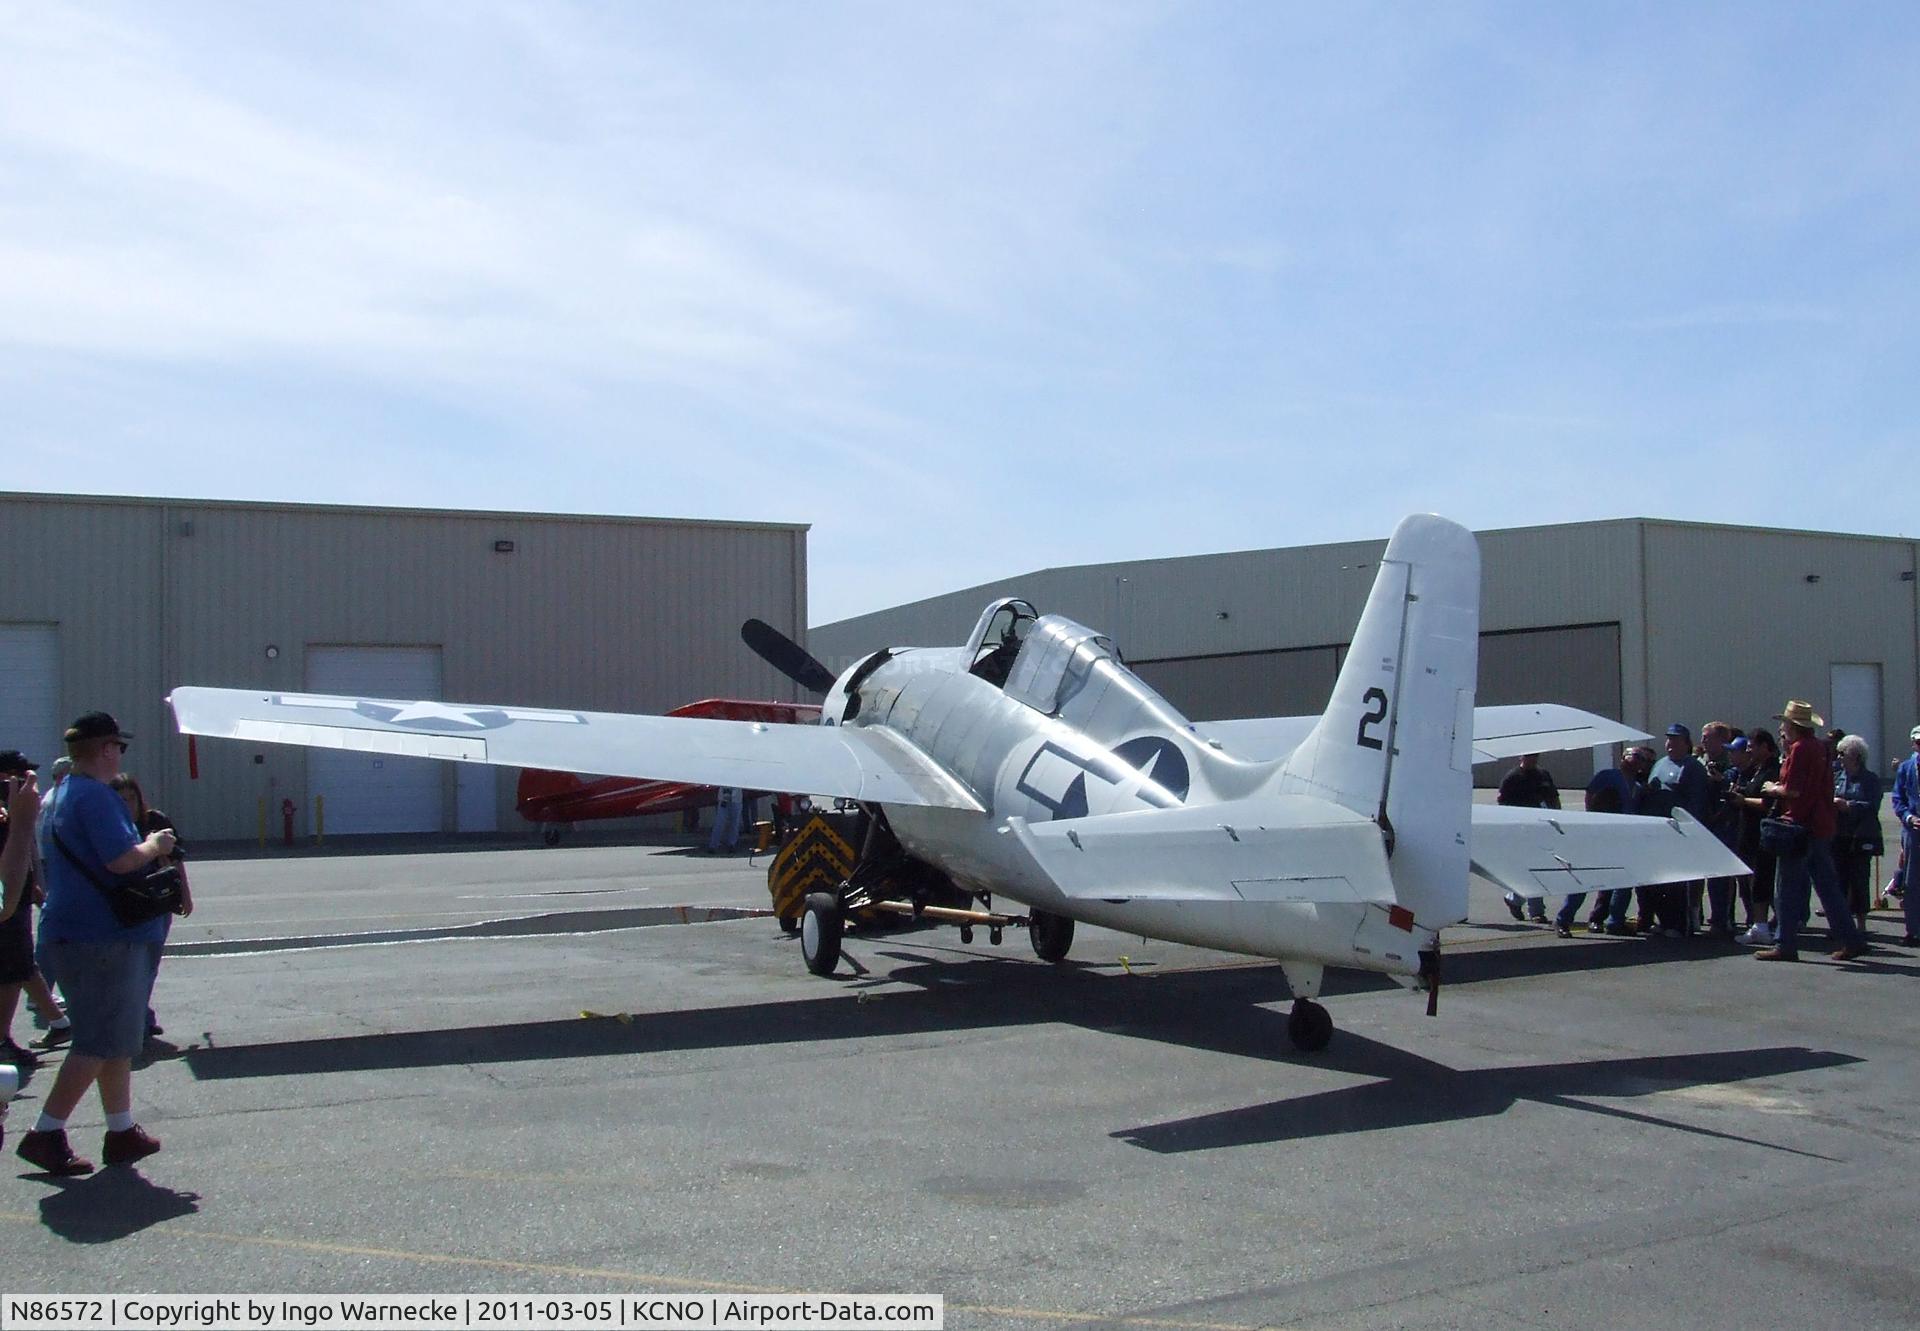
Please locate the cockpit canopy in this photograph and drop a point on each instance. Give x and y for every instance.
(996, 639)
(1055, 662)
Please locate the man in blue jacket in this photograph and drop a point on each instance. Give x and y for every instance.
(1906, 807)
(104, 968)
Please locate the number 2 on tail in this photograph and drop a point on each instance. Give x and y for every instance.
(1374, 715)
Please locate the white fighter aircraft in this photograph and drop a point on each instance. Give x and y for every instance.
(1031, 764)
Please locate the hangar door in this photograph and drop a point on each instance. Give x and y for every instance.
(1291, 682)
(30, 702)
(376, 792)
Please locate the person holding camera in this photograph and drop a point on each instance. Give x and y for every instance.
(105, 968)
(19, 810)
(18, 973)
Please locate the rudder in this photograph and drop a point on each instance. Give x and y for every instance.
(1396, 740)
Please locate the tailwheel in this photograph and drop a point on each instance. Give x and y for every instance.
(1309, 1026)
(1051, 935)
(820, 928)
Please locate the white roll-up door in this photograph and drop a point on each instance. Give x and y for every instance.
(1856, 705)
(376, 792)
(30, 691)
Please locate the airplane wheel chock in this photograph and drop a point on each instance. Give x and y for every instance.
(820, 929)
(1051, 935)
(1309, 1026)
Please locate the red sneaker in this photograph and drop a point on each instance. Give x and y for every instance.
(49, 1150)
(128, 1145)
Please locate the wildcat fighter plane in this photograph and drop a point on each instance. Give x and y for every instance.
(1031, 764)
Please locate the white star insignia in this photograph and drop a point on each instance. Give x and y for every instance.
(434, 711)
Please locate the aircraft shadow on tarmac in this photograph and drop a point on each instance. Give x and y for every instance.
(1411, 1090)
(1221, 1009)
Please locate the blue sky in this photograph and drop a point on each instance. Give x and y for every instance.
(971, 288)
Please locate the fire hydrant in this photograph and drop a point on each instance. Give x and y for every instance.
(286, 821)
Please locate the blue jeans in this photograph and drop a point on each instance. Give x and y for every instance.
(107, 987)
(1610, 904)
(1795, 875)
(1536, 907)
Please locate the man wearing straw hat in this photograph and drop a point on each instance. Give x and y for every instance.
(1805, 789)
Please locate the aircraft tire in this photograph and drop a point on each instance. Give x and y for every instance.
(549, 834)
(1309, 1026)
(820, 928)
(1051, 935)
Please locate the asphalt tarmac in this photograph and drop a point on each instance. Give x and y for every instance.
(540, 1071)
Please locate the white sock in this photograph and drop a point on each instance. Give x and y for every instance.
(59, 1023)
(119, 1122)
(48, 1123)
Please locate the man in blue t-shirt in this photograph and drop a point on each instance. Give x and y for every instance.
(104, 968)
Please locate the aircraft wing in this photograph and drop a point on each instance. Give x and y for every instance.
(1271, 848)
(1537, 852)
(1498, 732)
(864, 763)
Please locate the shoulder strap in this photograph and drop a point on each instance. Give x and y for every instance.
(76, 862)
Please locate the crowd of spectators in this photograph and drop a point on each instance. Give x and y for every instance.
(1801, 810)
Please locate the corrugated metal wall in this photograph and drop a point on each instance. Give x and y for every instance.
(1737, 628)
(607, 614)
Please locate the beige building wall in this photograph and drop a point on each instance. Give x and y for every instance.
(606, 614)
(1743, 619)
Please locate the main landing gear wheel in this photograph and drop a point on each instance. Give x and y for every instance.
(1051, 935)
(1309, 1027)
(549, 834)
(820, 930)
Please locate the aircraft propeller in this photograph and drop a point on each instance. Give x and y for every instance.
(786, 656)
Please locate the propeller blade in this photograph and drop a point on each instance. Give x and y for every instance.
(786, 656)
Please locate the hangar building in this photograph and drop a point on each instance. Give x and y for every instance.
(1645, 620)
(125, 598)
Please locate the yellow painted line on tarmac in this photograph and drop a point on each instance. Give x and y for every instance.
(642, 1278)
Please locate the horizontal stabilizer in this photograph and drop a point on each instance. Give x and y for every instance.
(1270, 848)
(1537, 852)
(1542, 727)
(1498, 732)
(869, 763)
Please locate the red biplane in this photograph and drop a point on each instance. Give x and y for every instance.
(556, 799)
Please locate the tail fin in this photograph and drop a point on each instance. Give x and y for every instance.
(1396, 741)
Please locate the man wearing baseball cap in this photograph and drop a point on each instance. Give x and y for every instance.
(1805, 789)
(104, 968)
(1906, 807)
